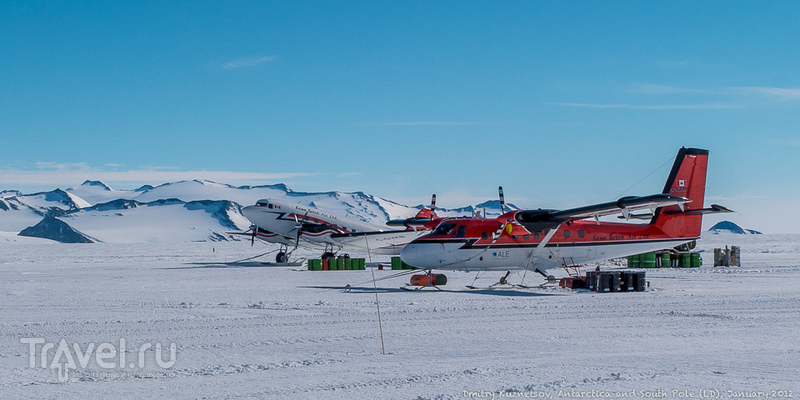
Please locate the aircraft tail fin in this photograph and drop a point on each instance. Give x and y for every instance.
(686, 179)
(424, 216)
(428, 212)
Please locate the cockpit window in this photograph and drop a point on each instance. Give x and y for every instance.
(460, 232)
(443, 229)
(262, 203)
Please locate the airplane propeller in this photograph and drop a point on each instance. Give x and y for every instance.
(299, 228)
(502, 201)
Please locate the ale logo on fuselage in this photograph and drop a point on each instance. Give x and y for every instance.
(503, 254)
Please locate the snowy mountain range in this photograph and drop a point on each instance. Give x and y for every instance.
(178, 211)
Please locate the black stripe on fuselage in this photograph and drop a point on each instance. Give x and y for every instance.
(357, 234)
(470, 243)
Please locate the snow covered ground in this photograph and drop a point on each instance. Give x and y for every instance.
(278, 332)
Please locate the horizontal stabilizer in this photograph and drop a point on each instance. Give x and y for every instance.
(538, 220)
(409, 222)
(624, 205)
(714, 209)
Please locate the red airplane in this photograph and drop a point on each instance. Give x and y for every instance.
(538, 240)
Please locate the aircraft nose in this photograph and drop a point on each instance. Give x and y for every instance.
(257, 215)
(409, 253)
(414, 254)
(249, 212)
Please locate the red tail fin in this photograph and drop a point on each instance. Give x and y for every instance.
(426, 212)
(687, 179)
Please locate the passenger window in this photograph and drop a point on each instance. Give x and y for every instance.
(536, 235)
(566, 234)
(580, 233)
(526, 236)
(515, 237)
(484, 235)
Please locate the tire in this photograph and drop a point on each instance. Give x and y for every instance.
(327, 255)
(281, 258)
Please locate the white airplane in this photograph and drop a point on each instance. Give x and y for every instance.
(293, 225)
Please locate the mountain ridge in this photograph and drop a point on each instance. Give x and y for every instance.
(194, 210)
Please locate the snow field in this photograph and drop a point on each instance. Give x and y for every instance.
(278, 332)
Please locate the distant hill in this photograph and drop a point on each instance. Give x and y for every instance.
(54, 229)
(730, 227)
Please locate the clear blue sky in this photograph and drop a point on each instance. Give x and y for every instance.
(563, 103)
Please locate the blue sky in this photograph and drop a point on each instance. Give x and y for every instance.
(563, 103)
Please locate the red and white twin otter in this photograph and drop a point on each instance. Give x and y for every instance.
(538, 240)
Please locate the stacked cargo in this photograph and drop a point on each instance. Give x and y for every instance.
(315, 265)
(666, 260)
(648, 260)
(337, 264)
(397, 263)
(572, 283)
(727, 257)
(735, 256)
(616, 281)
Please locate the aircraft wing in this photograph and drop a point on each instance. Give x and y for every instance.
(539, 220)
(387, 242)
(266, 236)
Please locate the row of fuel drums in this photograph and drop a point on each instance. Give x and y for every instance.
(337, 264)
(616, 281)
(666, 260)
(607, 281)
